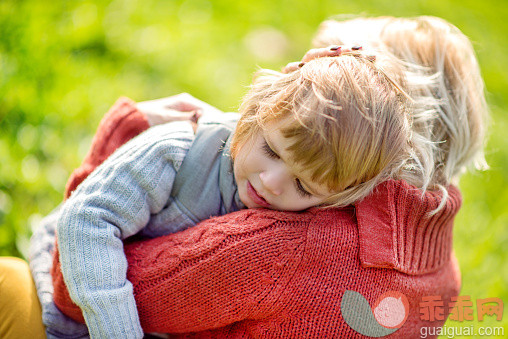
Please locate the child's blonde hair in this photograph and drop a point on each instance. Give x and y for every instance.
(347, 122)
(442, 76)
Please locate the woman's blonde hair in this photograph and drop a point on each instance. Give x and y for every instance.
(346, 120)
(443, 77)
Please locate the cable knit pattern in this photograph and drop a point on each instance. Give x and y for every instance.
(262, 273)
(269, 274)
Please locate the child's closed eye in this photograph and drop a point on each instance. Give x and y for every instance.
(299, 187)
(269, 152)
(301, 190)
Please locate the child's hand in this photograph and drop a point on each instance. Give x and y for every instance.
(314, 53)
(179, 107)
(162, 116)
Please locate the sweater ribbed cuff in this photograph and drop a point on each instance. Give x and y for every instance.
(122, 323)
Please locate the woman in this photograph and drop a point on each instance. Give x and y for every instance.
(274, 274)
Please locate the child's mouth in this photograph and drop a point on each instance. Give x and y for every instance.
(253, 194)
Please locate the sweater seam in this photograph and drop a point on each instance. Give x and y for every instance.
(304, 243)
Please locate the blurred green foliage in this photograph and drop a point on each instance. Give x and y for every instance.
(63, 63)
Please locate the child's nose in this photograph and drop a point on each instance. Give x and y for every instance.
(273, 180)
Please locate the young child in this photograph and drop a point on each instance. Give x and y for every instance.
(323, 135)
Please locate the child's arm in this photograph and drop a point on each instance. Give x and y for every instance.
(113, 203)
(41, 252)
(122, 122)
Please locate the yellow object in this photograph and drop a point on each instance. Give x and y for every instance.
(20, 310)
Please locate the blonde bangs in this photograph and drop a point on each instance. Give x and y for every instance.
(313, 154)
(344, 118)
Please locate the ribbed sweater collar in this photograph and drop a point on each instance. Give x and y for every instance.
(396, 230)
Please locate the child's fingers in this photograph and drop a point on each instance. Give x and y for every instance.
(330, 51)
(291, 67)
(323, 52)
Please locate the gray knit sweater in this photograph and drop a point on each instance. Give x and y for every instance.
(163, 181)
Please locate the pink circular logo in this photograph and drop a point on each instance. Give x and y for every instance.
(391, 309)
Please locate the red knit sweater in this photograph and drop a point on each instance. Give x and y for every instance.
(263, 273)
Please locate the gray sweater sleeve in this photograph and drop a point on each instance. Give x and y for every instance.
(41, 258)
(113, 203)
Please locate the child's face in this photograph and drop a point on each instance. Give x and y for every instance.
(266, 178)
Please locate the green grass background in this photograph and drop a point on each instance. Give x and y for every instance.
(63, 63)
